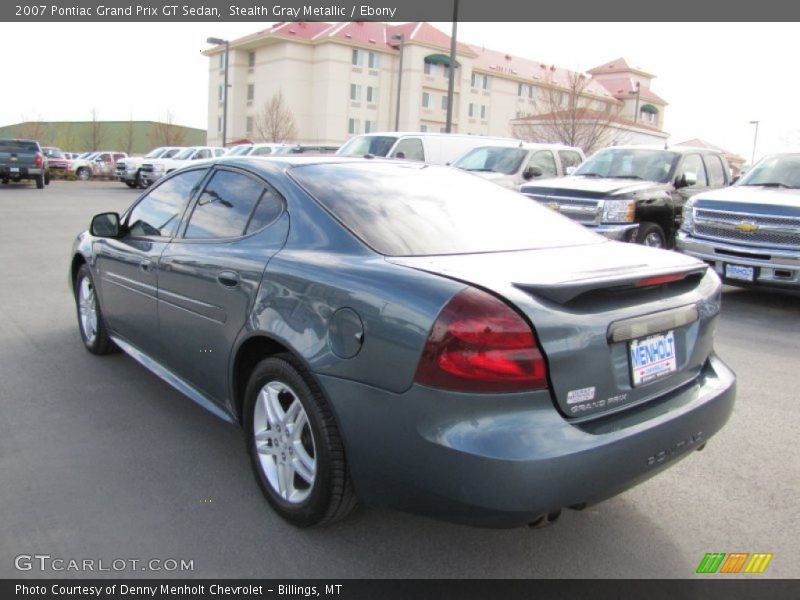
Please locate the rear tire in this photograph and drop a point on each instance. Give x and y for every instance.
(90, 318)
(651, 235)
(295, 449)
(39, 182)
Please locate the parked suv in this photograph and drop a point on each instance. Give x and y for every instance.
(153, 170)
(127, 169)
(512, 167)
(23, 159)
(634, 193)
(750, 232)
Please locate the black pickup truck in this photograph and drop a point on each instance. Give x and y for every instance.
(23, 159)
(634, 193)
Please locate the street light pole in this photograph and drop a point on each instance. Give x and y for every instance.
(452, 78)
(399, 37)
(755, 140)
(226, 43)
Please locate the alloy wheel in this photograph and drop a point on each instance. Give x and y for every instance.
(87, 307)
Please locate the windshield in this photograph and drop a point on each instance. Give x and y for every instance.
(85, 155)
(630, 163)
(782, 170)
(377, 145)
(497, 160)
(171, 153)
(91, 155)
(155, 153)
(240, 150)
(183, 154)
(416, 210)
(53, 153)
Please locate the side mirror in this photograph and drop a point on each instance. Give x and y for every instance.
(570, 170)
(688, 179)
(400, 155)
(531, 172)
(105, 225)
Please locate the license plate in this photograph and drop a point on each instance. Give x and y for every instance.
(14, 169)
(740, 272)
(653, 357)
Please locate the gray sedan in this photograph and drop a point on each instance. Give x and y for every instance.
(408, 335)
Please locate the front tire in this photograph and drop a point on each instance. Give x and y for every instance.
(651, 235)
(139, 181)
(83, 174)
(131, 184)
(295, 449)
(90, 319)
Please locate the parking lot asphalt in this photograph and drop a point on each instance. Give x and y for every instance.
(99, 459)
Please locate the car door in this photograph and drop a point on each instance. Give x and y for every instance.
(209, 275)
(691, 164)
(128, 265)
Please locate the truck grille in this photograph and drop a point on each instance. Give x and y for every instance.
(747, 229)
(582, 210)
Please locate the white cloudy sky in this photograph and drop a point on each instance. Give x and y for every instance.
(716, 77)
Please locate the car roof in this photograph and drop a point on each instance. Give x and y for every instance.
(675, 149)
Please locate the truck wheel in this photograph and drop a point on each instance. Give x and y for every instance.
(47, 178)
(5, 181)
(139, 182)
(39, 182)
(131, 184)
(651, 235)
(83, 174)
(294, 444)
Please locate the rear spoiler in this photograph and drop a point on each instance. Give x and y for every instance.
(564, 292)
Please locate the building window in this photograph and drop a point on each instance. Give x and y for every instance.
(355, 92)
(219, 124)
(446, 71)
(426, 100)
(444, 102)
(221, 93)
(423, 128)
(442, 129)
(353, 126)
(248, 128)
(471, 109)
(372, 94)
(474, 80)
(370, 126)
(358, 57)
(374, 60)
(428, 68)
(487, 82)
(251, 59)
(483, 111)
(222, 61)
(251, 91)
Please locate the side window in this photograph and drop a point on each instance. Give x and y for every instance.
(202, 153)
(569, 159)
(545, 161)
(268, 209)
(105, 157)
(224, 207)
(692, 163)
(158, 213)
(716, 173)
(219, 151)
(410, 149)
(262, 151)
(118, 157)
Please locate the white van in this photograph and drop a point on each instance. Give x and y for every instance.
(434, 148)
(511, 167)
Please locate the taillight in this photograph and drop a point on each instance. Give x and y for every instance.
(38, 160)
(479, 344)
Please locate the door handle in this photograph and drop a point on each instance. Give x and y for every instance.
(146, 265)
(228, 278)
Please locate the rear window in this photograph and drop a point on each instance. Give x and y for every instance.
(18, 146)
(417, 210)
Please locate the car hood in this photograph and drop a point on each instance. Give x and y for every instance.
(756, 199)
(589, 187)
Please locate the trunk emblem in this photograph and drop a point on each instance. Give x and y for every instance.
(747, 227)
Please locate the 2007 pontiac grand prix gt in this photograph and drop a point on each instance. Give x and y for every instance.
(408, 335)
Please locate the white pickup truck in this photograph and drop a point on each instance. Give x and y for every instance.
(128, 169)
(153, 170)
(96, 164)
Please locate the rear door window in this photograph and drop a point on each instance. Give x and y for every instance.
(410, 149)
(224, 207)
(569, 158)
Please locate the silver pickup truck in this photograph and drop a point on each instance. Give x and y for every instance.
(750, 232)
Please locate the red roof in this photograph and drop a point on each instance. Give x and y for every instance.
(619, 65)
(589, 113)
(624, 87)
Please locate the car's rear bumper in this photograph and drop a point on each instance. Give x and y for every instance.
(8, 172)
(505, 460)
(773, 268)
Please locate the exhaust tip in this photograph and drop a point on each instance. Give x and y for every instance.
(545, 520)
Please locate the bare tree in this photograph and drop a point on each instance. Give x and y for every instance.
(566, 115)
(166, 133)
(33, 130)
(275, 122)
(97, 132)
(129, 136)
